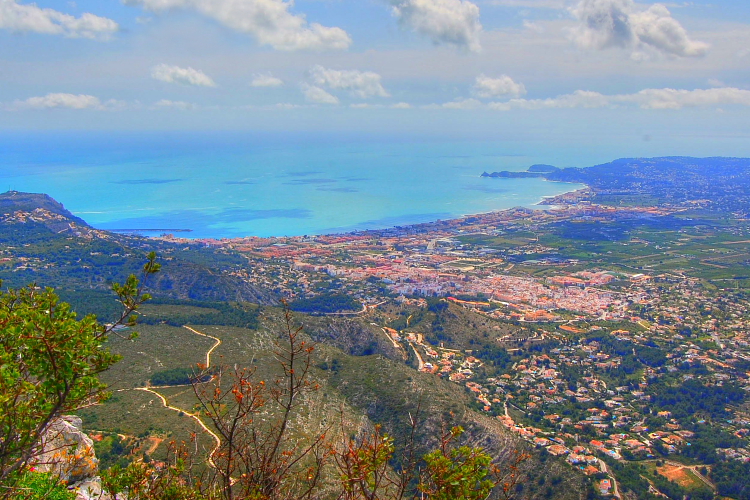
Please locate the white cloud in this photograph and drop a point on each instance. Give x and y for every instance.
(69, 101)
(454, 22)
(677, 99)
(462, 104)
(186, 76)
(317, 95)
(60, 100)
(181, 105)
(363, 84)
(364, 105)
(578, 99)
(528, 4)
(401, 105)
(622, 23)
(504, 85)
(532, 26)
(646, 99)
(29, 17)
(266, 81)
(268, 21)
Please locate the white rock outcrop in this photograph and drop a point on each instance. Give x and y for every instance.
(68, 452)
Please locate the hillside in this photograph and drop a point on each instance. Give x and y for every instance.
(15, 201)
(352, 388)
(44, 243)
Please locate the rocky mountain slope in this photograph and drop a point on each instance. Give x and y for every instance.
(44, 243)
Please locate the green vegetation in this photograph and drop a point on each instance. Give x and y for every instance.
(175, 376)
(692, 399)
(49, 366)
(326, 303)
(32, 485)
(179, 313)
(112, 450)
(731, 479)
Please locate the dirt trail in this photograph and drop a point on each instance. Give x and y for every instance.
(210, 351)
(191, 415)
(150, 389)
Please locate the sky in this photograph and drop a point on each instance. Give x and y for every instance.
(672, 77)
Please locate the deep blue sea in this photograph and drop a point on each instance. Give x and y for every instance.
(230, 185)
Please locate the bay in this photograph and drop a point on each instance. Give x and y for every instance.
(231, 185)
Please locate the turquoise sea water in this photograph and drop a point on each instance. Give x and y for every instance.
(239, 185)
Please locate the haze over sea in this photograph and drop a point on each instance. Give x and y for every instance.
(270, 185)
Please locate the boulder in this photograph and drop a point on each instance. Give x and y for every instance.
(91, 489)
(67, 452)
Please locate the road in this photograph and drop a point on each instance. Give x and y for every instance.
(419, 356)
(388, 336)
(191, 415)
(364, 309)
(151, 390)
(210, 351)
(615, 491)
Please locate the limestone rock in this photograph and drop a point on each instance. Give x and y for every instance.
(67, 452)
(91, 489)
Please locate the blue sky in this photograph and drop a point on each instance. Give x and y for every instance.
(565, 70)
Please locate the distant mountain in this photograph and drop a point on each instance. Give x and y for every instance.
(12, 201)
(16, 206)
(725, 182)
(506, 174)
(543, 168)
(44, 243)
(538, 170)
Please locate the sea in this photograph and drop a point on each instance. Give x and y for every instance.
(227, 185)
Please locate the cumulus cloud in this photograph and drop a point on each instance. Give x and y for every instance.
(364, 105)
(532, 26)
(186, 76)
(317, 95)
(453, 22)
(68, 101)
(578, 99)
(363, 84)
(677, 99)
(30, 18)
(504, 85)
(529, 4)
(462, 104)
(181, 105)
(646, 99)
(268, 21)
(622, 23)
(401, 105)
(266, 81)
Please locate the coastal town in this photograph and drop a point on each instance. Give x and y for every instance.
(589, 368)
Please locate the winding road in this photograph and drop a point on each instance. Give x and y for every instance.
(194, 416)
(191, 415)
(210, 351)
